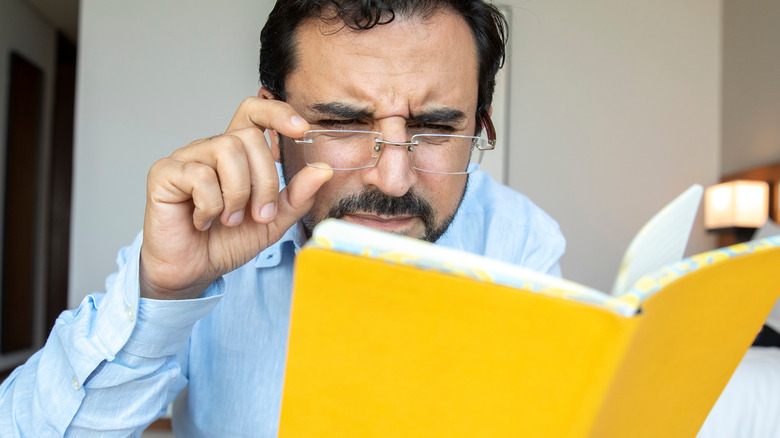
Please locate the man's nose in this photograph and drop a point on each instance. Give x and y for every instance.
(393, 173)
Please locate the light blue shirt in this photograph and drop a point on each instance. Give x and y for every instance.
(112, 366)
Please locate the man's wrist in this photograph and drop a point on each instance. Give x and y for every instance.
(148, 288)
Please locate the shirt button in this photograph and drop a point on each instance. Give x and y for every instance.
(129, 313)
(75, 383)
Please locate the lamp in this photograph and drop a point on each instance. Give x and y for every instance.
(736, 204)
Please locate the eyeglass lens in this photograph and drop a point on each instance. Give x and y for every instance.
(351, 150)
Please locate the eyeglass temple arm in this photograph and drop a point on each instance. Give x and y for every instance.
(491, 131)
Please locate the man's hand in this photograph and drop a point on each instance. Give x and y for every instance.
(215, 204)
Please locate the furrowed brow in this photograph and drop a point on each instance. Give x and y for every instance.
(347, 111)
(343, 110)
(441, 115)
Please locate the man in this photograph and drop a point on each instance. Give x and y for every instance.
(199, 308)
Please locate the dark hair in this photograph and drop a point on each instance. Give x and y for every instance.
(277, 39)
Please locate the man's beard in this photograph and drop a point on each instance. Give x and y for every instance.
(376, 202)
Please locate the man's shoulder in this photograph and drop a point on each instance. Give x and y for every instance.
(499, 222)
(486, 196)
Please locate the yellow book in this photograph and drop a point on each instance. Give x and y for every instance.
(386, 342)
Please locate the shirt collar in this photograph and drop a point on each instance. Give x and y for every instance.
(272, 255)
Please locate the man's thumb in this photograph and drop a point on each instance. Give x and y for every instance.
(297, 198)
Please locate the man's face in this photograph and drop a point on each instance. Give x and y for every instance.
(399, 79)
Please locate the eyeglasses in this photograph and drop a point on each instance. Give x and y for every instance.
(434, 153)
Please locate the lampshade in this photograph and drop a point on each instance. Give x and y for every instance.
(740, 203)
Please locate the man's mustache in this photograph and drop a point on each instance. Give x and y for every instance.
(376, 202)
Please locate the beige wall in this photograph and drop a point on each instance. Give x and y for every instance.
(614, 109)
(751, 84)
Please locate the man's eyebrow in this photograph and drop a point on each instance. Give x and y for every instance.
(343, 110)
(347, 111)
(440, 115)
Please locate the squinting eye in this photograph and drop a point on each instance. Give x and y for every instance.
(432, 127)
(340, 124)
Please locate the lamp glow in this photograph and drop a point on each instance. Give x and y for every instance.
(743, 204)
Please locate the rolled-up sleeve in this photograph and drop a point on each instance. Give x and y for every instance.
(108, 367)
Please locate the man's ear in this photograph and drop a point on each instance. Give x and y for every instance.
(265, 93)
(272, 135)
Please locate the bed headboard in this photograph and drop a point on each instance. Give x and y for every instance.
(769, 173)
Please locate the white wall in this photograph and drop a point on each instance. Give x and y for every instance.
(751, 84)
(25, 32)
(614, 110)
(152, 77)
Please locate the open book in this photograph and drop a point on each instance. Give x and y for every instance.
(391, 336)
(661, 241)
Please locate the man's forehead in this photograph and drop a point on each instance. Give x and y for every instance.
(401, 58)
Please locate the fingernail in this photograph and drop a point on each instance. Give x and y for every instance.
(297, 121)
(268, 211)
(236, 218)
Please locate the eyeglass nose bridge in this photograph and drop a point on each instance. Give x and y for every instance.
(409, 145)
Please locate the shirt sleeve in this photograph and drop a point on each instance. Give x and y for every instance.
(109, 367)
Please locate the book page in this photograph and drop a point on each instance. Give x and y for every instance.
(345, 237)
(661, 241)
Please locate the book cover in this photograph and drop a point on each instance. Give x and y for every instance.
(386, 343)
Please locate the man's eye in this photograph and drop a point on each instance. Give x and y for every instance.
(432, 128)
(340, 124)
